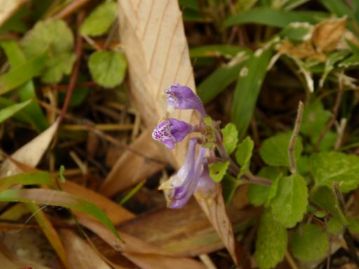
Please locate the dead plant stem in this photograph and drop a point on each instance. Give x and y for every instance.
(293, 139)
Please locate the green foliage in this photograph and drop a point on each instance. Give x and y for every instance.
(100, 20)
(244, 154)
(271, 242)
(274, 150)
(335, 169)
(9, 111)
(259, 194)
(247, 89)
(290, 202)
(107, 68)
(227, 51)
(309, 243)
(230, 137)
(217, 170)
(272, 17)
(54, 39)
(297, 32)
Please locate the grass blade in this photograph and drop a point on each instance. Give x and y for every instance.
(9, 111)
(248, 88)
(57, 198)
(272, 17)
(32, 178)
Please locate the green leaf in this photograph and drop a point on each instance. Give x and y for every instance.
(353, 226)
(290, 203)
(57, 67)
(272, 17)
(271, 242)
(54, 38)
(309, 243)
(297, 31)
(274, 150)
(57, 198)
(26, 92)
(325, 198)
(339, 8)
(217, 170)
(31, 178)
(107, 68)
(259, 194)
(335, 226)
(22, 74)
(230, 137)
(315, 117)
(100, 20)
(9, 111)
(221, 78)
(229, 185)
(248, 87)
(244, 154)
(227, 51)
(335, 168)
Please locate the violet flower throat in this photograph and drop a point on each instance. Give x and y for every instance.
(193, 175)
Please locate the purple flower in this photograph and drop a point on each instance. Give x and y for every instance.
(171, 131)
(192, 176)
(182, 97)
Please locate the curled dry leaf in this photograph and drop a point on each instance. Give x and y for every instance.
(327, 34)
(31, 153)
(153, 38)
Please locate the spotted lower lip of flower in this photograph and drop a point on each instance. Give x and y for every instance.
(181, 186)
(182, 97)
(171, 131)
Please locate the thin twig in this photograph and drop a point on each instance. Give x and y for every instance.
(75, 69)
(71, 8)
(291, 261)
(340, 131)
(293, 139)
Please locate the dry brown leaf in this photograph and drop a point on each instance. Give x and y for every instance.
(119, 178)
(80, 254)
(153, 38)
(31, 153)
(303, 50)
(327, 34)
(115, 212)
(139, 252)
(7, 263)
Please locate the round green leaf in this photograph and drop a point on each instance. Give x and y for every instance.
(290, 203)
(271, 242)
(309, 243)
(107, 68)
(230, 137)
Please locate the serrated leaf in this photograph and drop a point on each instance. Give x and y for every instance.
(325, 198)
(100, 19)
(9, 111)
(54, 38)
(230, 137)
(244, 154)
(258, 194)
(271, 242)
(309, 243)
(274, 150)
(217, 170)
(290, 203)
(329, 168)
(107, 68)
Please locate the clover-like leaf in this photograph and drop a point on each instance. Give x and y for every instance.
(290, 203)
(107, 68)
(100, 19)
